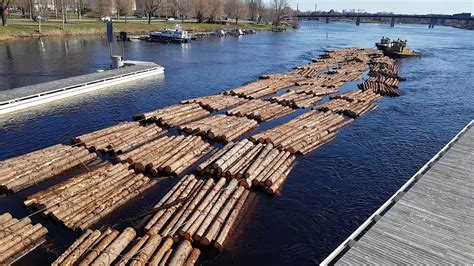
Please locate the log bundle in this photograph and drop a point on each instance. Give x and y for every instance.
(18, 237)
(207, 214)
(379, 88)
(81, 201)
(392, 82)
(358, 96)
(296, 100)
(260, 88)
(112, 247)
(27, 170)
(350, 108)
(170, 155)
(260, 110)
(120, 138)
(222, 128)
(216, 102)
(175, 115)
(304, 133)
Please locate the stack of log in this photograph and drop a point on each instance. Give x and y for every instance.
(380, 68)
(260, 88)
(350, 108)
(290, 77)
(207, 215)
(175, 115)
(304, 133)
(125, 248)
(379, 88)
(83, 200)
(216, 102)
(27, 170)
(296, 100)
(220, 127)
(18, 237)
(260, 165)
(120, 138)
(358, 96)
(392, 82)
(312, 70)
(260, 110)
(171, 155)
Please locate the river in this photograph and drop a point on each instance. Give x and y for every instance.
(330, 192)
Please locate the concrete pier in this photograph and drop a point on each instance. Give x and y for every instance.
(430, 220)
(24, 97)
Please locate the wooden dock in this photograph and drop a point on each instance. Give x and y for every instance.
(430, 220)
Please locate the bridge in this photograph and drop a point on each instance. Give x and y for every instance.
(432, 19)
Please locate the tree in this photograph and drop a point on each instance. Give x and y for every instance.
(236, 9)
(199, 8)
(279, 8)
(80, 7)
(150, 7)
(253, 10)
(123, 7)
(182, 8)
(260, 10)
(214, 10)
(4, 5)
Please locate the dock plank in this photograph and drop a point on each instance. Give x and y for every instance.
(433, 223)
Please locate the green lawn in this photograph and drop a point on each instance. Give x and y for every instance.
(24, 28)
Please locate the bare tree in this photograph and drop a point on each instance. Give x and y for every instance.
(123, 7)
(4, 5)
(214, 10)
(80, 7)
(200, 9)
(150, 7)
(252, 9)
(260, 10)
(182, 8)
(279, 8)
(236, 9)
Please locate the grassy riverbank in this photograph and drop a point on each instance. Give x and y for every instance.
(24, 28)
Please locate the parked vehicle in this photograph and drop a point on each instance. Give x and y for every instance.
(40, 18)
(105, 18)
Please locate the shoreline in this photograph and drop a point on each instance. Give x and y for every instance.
(24, 29)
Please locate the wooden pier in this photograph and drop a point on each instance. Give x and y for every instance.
(430, 220)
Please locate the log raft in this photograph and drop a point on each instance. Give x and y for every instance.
(260, 110)
(304, 133)
(169, 155)
(175, 115)
(81, 201)
(222, 128)
(18, 237)
(27, 170)
(216, 102)
(120, 138)
(112, 247)
(296, 100)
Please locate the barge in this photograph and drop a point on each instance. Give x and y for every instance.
(28, 96)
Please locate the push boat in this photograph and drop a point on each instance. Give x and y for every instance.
(383, 44)
(398, 49)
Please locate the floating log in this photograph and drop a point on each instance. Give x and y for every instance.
(220, 127)
(260, 88)
(113, 250)
(352, 109)
(175, 115)
(224, 233)
(260, 110)
(296, 100)
(27, 170)
(307, 130)
(83, 200)
(358, 96)
(18, 237)
(181, 253)
(120, 138)
(172, 155)
(216, 102)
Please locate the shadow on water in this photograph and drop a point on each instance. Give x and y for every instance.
(330, 192)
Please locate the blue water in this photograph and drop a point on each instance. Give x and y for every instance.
(329, 193)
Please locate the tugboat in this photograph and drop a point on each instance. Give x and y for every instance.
(177, 36)
(398, 49)
(384, 43)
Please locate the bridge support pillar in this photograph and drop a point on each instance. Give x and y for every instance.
(392, 23)
(327, 20)
(358, 21)
(433, 21)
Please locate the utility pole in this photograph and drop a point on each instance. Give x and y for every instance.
(315, 7)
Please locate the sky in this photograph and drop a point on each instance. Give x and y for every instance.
(398, 6)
